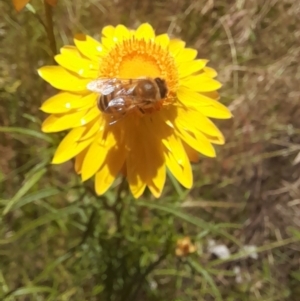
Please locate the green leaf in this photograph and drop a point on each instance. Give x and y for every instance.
(30, 117)
(181, 193)
(36, 168)
(187, 217)
(205, 274)
(294, 232)
(31, 290)
(45, 219)
(36, 196)
(51, 266)
(19, 170)
(27, 132)
(27, 185)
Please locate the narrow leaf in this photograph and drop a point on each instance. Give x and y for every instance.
(45, 219)
(27, 185)
(36, 196)
(197, 267)
(27, 132)
(31, 290)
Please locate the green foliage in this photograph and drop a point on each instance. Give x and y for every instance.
(58, 241)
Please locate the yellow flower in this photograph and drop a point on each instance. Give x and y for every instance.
(139, 146)
(184, 247)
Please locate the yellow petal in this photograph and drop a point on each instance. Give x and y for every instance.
(65, 101)
(89, 47)
(89, 116)
(145, 31)
(200, 83)
(109, 170)
(181, 169)
(134, 161)
(61, 79)
(174, 146)
(93, 127)
(155, 130)
(189, 68)
(190, 133)
(197, 141)
(155, 154)
(163, 40)
(82, 67)
(133, 165)
(104, 141)
(210, 72)
(61, 122)
(108, 31)
(121, 33)
(176, 46)
(136, 185)
(207, 106)
(215, 139)
(94, 158)
(70, 146)
(157, 127)
(144, 158)
(103, 179)
(156, 185)
(186, 55)
(79, 160)
(107, 43)
(188, 119)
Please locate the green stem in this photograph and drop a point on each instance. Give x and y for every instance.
(118, 205)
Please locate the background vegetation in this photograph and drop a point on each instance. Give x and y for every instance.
(59, 242)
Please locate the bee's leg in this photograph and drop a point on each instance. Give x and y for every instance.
(142, 111)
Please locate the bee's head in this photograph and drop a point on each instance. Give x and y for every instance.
(162, 86)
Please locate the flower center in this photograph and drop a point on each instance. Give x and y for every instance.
(134, 58)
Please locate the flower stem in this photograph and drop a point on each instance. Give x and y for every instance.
(49, 26)
(117, 207)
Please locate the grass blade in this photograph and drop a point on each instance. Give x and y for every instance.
(27, 132)
(27, 185)
(197, 267)
(45, 219)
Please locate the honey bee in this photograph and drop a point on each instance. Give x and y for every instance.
(120, 96)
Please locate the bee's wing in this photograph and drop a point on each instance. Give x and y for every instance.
(123, 103)
(118, 103)
(106, 86)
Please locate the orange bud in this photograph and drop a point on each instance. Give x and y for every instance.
(19, 4)
(184, 247)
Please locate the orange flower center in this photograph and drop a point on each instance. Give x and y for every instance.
(134, 58)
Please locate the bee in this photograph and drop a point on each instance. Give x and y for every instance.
(120, 96)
